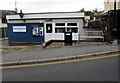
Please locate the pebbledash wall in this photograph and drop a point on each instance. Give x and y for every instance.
(44, 27)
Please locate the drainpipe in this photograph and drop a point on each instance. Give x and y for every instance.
(115, 21)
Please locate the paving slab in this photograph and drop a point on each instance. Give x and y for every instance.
(37, 54)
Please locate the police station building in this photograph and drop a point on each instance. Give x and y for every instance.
(38, 28)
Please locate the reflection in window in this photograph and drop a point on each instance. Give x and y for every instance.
(73, 30)
(48, 28)
(59, 30)
(71, 24)
(60, 24)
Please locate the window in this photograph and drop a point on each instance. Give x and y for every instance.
(59, 27)
(66, 27)
(48, 28)
(59, 30)
(71, 24)
(60, 24)
(73, 30)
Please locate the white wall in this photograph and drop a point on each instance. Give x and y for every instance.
(57, 36)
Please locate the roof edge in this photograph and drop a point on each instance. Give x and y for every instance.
(48, 15)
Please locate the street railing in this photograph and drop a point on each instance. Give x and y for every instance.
(91, 34)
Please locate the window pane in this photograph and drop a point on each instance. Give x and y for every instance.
(73, 30)
(71, 24)
(59, 30)
(60, 24)
(69, 30)
(48, 28)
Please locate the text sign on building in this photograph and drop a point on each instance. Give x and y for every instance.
(19, 28)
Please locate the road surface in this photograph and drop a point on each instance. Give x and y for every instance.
(96, 69)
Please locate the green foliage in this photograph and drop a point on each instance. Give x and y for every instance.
(27, 49)
(17, 49)
(9, 50)
(82, 10)
(91, 13)
(55, 45)
(3, 32)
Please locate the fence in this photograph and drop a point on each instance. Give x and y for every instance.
(3, 32)
(93, 35)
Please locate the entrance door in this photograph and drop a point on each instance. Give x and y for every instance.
(68, 38)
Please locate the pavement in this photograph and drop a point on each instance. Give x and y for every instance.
(53, 54)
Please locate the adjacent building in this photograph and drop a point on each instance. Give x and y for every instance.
(3, 20)
(109, 5)
(2, 24)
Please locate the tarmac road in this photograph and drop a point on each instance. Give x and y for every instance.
(104, 69)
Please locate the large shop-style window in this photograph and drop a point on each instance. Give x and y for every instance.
(48, 28)
(66, 27)
(59, 30)
(71, 24)
(60, 24)
(72, 29)
(59, 27)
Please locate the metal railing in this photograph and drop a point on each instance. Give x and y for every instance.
(93, 33)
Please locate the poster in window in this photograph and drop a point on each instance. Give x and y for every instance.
(37, 31)
(41, 31)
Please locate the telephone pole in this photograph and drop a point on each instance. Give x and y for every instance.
(115, 14)
(114, 30)
(16, 10)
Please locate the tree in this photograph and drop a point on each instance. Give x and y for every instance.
(82, 10)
